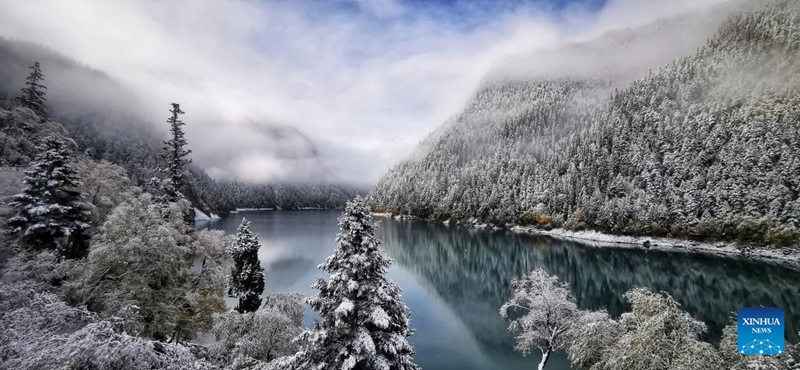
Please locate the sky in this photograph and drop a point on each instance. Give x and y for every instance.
(315, 90)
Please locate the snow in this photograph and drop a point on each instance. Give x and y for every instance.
(547, 308)
(358, 294)
(252, 209)
(363, 343)
(43, 332)
(786, 257)
(200, 216)
(39, 210)
(349, 363)
(380, 318)
(782, 256)
(344, 308)
(10, 181)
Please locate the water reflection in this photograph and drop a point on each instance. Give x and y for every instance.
(455, 279)
(472, 266)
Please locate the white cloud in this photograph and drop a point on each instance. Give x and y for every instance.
(365, 86)
(381, 8)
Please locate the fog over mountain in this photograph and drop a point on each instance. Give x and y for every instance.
(274, 92)
(704, 146)
(459, 184)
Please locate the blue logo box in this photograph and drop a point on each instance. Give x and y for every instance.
(761, 331)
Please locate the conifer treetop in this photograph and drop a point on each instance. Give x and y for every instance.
(51, 205)
(32, 96)
(365, 324)
(247, 275)
(175, 154)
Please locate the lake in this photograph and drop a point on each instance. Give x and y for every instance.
(455, 279)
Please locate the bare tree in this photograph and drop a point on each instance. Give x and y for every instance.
(547, 309)
(655, 335)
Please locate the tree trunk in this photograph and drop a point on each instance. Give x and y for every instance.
(545, 357)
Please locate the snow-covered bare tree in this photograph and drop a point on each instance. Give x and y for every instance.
(592, 334)
(42, 332)
(140, 263)
(543, 309)
(655, 335)
(139, 259)
(207, 282)
(52, 212)
(365, 324)
(247, 276)
(32, 95)
(104, 185)
(659, 335)
(175, 153)
(263, 335)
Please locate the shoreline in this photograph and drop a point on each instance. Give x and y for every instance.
(730, 250)
(240, 210)
(786, 257)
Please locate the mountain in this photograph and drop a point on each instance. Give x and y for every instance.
(706, 146)
(106, 120)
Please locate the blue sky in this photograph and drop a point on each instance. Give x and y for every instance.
(476, 11)
(464, 14)
(377, 28)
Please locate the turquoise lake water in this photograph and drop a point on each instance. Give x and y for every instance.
(455, 278)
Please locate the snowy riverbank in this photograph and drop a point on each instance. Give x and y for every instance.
(783, 256)
(788, 257)
(237, 210)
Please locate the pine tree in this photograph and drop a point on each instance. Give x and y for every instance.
(247, 276)
(52, 212)
(175, 154)
(365, 324)
(32, 95)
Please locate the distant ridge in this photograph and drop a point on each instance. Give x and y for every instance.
(703, 147)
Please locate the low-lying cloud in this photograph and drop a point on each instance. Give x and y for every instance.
(350, 86)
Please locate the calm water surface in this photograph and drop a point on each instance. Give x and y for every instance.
(455, 279)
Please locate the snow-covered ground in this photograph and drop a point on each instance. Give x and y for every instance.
(11, 180)
(783, 256)
(237, 210)
(10, 184)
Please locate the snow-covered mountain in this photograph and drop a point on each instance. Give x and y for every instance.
(704, 145)
(109, 121)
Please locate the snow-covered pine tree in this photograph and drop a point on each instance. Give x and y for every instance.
(52, 212)
(365, 324)
(32, 95)
(247, 275)
(175, 154)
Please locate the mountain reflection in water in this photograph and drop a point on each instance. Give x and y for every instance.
(455, 279)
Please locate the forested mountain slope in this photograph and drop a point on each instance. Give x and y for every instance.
(106, 121)
(706, 146)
